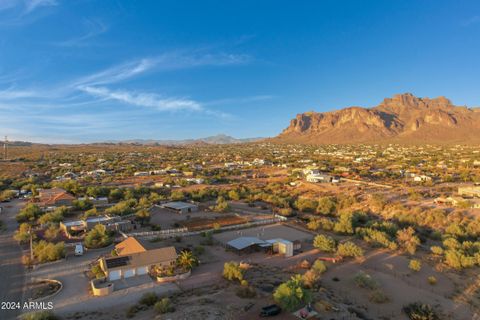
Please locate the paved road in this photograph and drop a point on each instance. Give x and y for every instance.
(12, 272)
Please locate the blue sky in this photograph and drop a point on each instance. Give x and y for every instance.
(84, 70)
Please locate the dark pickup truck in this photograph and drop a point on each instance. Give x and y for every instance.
(270, 311)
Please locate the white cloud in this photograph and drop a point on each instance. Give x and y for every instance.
(31, 5)
(11, 94)
(144, 99)
(94, 28)
(117, 73)
(168, 61)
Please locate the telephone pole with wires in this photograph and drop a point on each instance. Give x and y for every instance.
(5, 148)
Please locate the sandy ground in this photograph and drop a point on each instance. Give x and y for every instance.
(398, 282)
(265, 232)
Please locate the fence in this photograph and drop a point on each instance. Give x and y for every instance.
(183, 232)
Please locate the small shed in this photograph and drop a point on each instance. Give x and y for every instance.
(282, 246)
(180, 207)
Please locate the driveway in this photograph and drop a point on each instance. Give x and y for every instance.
(11, 269)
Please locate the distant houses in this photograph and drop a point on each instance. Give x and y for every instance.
(76, 227)
(54, 197)
(469, 191)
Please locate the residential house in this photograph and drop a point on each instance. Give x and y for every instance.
(135, 260)
(54, 197)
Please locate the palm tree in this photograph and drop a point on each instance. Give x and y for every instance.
(187, 260)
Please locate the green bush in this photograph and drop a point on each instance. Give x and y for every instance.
(164, 306)
(325, 243)
(378, 296)
(246, 292)
(349, 249)
(364, 280)
(97, 237)
(419, 311)
(45, 251)
(148, 299)
(232, 271)
(415, 265)
(432, 280)
(291, 294)
(97, 271)
(319, 266)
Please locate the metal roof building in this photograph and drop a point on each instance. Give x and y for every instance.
(180, 207)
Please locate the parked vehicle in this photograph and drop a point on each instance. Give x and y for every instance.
(79, 249)
(270, 311)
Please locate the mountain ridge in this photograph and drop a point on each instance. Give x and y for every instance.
(402, 118)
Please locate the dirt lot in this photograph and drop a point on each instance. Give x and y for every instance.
(400, 284)
(168, 219)
(265, 232)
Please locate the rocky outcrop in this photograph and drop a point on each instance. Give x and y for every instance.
(402, 118)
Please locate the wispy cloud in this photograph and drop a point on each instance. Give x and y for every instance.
(7, 4)
(31, 5)
(94, 28)
(11, 94)
(144, 99)
(116, 73)
(15, 13)
(470, 21)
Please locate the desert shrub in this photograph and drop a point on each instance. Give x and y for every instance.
(408, 240)
(325, 243)
(326, 205)
(310, 278)
(132, 311)
(319, 266)
(419, 311)
(23, 233)
(432, 280)
(45, 251)
(378, 296)
(232, 271)
(41, 315)
(364, 280)
(97, 237)
(148, 299)
(291, 294)
(52, 232)
(349, 249)
(376, 238)
(29, 213)
(436, 250)
(246, 292)
(164, 306)
(97, 271)
(415, 265)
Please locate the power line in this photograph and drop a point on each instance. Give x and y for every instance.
(5, 148)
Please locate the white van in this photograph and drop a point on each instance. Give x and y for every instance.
(79, 249)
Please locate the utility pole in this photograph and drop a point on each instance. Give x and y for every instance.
(5, 149)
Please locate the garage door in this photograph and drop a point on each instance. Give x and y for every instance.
(114, 275)
(142, 270)
(129, 273)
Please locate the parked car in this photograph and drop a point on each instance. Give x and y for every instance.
(79, 249)
(270, 311)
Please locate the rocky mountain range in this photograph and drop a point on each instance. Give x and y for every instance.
(401, 119)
